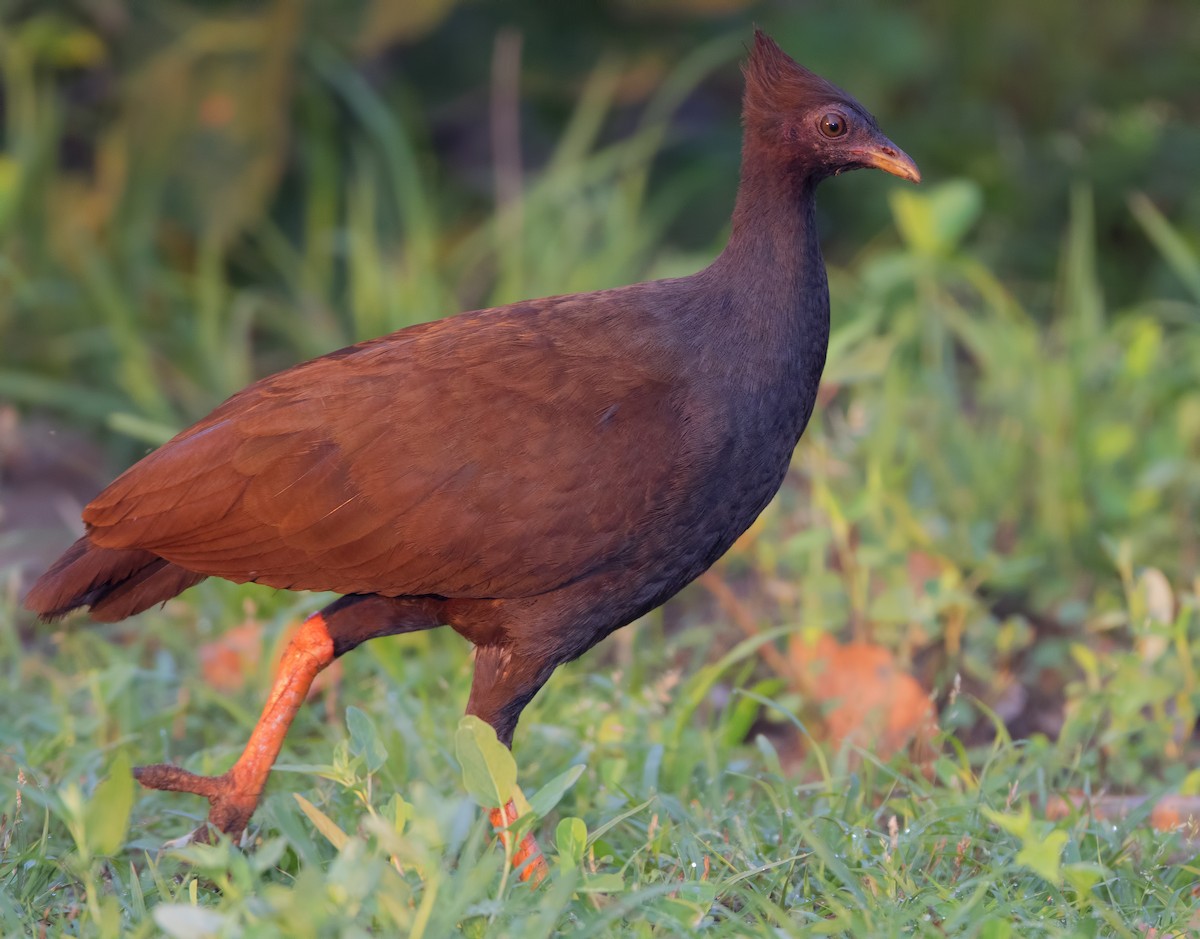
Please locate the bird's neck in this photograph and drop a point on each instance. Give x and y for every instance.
(773, 244)
(773, 272)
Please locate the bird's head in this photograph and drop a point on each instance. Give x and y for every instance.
(809, 123)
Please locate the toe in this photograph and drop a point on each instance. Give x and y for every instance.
(177, 779)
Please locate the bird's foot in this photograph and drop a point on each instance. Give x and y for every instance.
(527, 858)
(230, 804)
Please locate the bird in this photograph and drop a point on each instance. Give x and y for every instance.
(535, 476)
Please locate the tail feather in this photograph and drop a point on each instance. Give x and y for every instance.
(113, 582)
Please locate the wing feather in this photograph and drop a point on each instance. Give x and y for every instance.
(476, 456)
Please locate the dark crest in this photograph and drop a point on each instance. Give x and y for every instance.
(776, 84)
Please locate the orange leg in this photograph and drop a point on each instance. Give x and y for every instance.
(504, 683)
(340, 627)
(233, 796)
(527, 858)
(344, 624)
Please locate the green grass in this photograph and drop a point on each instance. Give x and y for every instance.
(688, 827)
(1000, 487)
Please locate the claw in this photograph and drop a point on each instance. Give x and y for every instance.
(233, 795)
(177, 779)
(230, 805)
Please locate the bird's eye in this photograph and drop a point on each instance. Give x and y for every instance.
(833, 124)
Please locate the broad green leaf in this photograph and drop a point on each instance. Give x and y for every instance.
(914, 218)
(488, 768)
(1019, 825)
(933, 222)
(325, 825)
(364, 739)
(521, 803)
(107, 813)
(546, 798)
(398, 811)
(1043, 855)
(570, 837)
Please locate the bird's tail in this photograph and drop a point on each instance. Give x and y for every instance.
(113, 582)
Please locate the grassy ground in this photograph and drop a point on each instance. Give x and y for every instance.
(1000, 489)
(676, 824)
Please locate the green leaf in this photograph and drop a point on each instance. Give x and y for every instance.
(107, 812)
(602, 883)
(488, 768)
(570, 837)
(399, 811)
(933, 223)
(546, 798)
(1043, 855)
(1084, 875)
(325, 825)
(364, 739)
(1018, 825)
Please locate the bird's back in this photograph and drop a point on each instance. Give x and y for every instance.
(502, 453)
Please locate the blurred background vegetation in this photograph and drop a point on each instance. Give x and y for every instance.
(1002, 482)
(194, 194)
